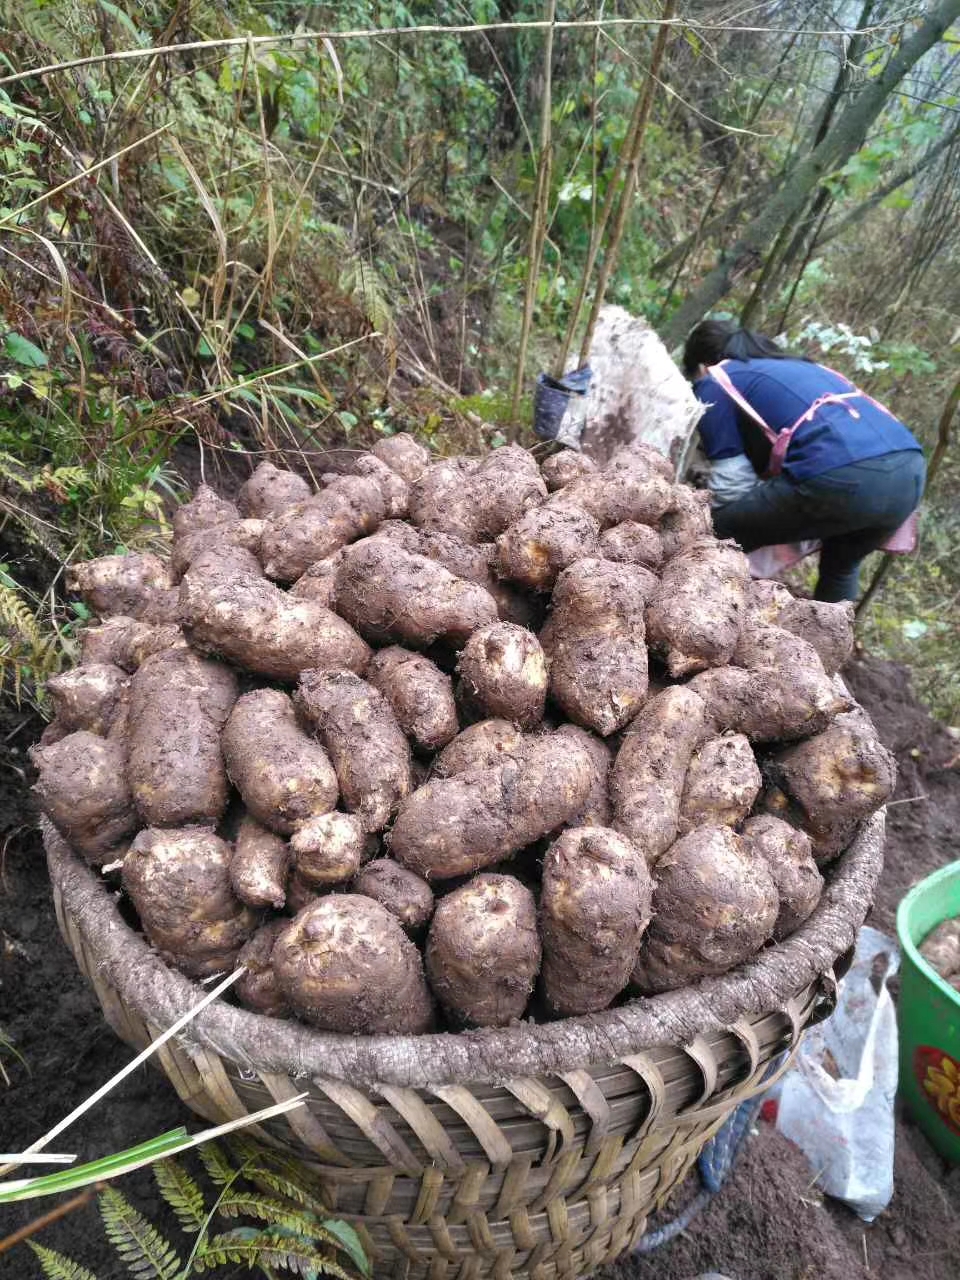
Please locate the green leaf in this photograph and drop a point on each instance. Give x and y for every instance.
(57, 1267)
(350, 1241)
(22, 351)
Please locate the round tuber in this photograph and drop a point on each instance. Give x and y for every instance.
(483, 951)
(345, 964)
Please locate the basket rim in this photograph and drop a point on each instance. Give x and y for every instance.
(492, 1055)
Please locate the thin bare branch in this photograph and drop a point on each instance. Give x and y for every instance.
(378, 33)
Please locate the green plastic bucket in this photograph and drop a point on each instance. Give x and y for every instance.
(929, 1015)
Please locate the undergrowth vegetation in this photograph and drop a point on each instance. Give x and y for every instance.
(242, 1184)
(258, 246)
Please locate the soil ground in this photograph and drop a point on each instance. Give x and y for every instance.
(768, 1223)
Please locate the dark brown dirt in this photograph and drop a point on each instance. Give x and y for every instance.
(768, 1223)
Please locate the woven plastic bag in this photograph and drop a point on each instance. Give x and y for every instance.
(836, 1103)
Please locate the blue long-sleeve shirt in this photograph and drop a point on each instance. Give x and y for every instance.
(781, 391)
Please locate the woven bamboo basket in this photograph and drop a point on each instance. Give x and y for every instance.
(535, 1151)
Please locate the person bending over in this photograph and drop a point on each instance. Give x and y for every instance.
(836, 466)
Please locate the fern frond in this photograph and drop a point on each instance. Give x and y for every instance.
(25, 649)
(283, 1217)
(140, 1245)
(266, 1209)
(249, 1246)
(361, 281)
(57, 1267)
(218, 1167)
(281, 1177)
(181, 1193)
(282, 1185)
(66, 478)
(12, 471)
(18, 621)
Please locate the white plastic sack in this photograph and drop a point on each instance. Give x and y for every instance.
(836, 1103)
(637, 392)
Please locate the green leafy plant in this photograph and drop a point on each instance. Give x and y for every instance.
(246, 1182)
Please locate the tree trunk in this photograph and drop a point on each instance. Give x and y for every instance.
(836, 148)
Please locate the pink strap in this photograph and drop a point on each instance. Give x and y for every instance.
(720, 375)
(866, 395)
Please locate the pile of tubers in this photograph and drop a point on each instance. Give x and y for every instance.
(449, 742)
(941, 950)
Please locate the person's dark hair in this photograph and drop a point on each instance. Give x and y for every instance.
(714, 340)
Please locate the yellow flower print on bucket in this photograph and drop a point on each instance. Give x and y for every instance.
(939, 1077)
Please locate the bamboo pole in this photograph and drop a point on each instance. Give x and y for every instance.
(631, 172)
(936, 460)
(597, 232)
(538, 217)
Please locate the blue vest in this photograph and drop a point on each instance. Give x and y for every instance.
(781, 391)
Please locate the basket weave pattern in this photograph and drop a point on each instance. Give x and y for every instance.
(452, 1173)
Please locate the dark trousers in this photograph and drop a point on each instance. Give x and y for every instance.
(852, 510)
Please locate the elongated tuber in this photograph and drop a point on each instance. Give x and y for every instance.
(632, 543)
(836, 780)
(544, 541)
(452, 826)
(270, 491)
(260, 865)
(228, 608)
(560, 469)
(296, 537)
(82, 789)
(594, 642)
(361, 734)
(405, 894)
(694, 617)
(480, 746)
(258, 989)
(648, 775)
(594, 908)
(88, 697)
(179, 703)
(403, 454)
(284, 776)
(420, 694)
(179, 882)
(136, 585)
(390, 594)
(789, 859)
(722, 783)
(328, 849)
(597, 811)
